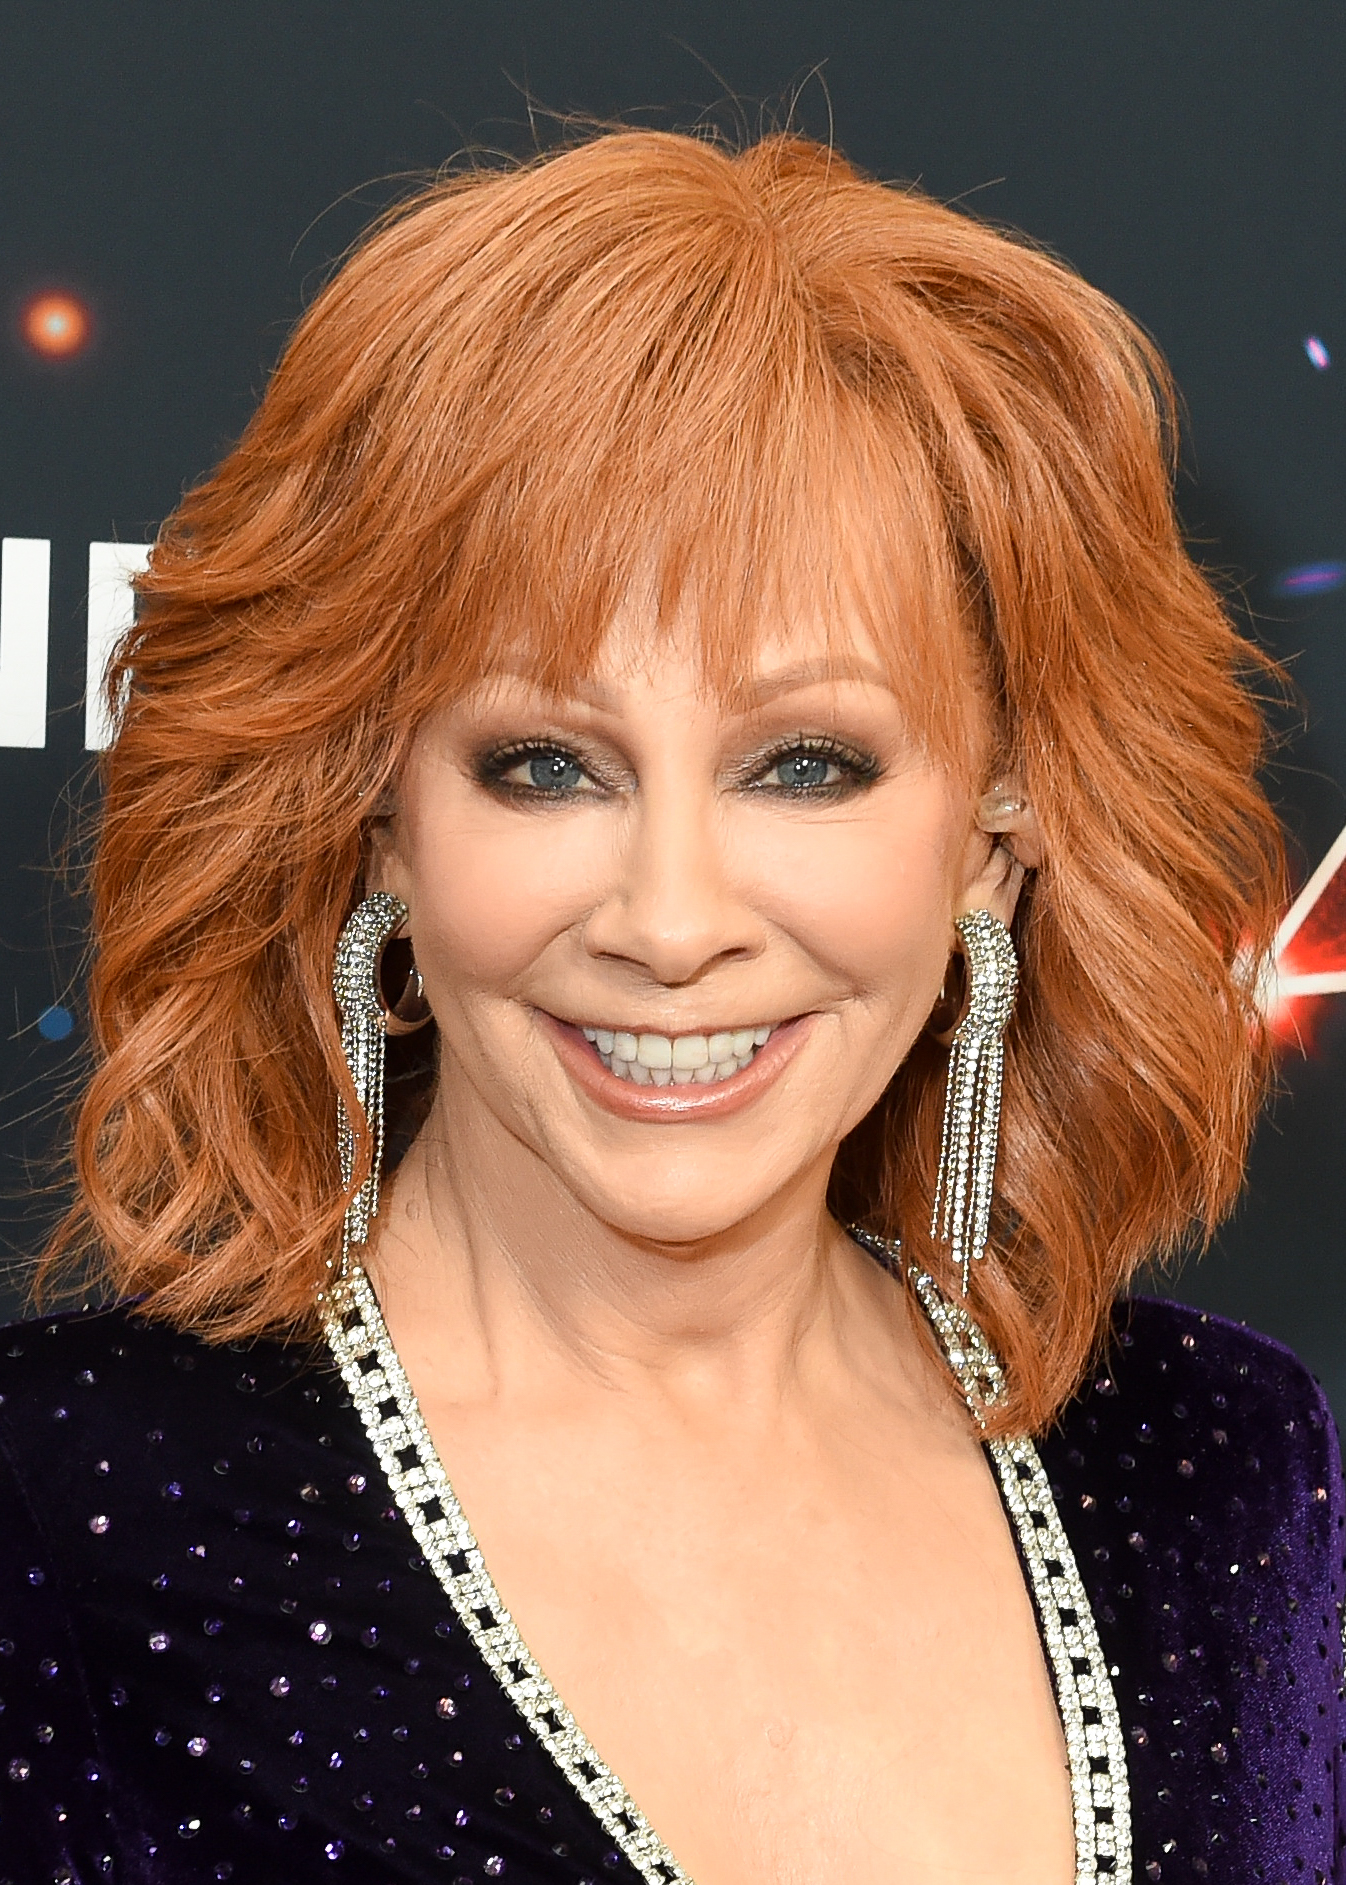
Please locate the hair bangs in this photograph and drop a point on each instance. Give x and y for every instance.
(722, 477)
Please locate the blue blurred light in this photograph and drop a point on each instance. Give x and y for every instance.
(1310, 579)
(55, 1024)
(1317, 352)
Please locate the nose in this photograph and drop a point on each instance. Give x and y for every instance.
(675, 906)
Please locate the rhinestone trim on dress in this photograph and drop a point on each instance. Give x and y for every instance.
(359, 1340)
(363, 1350)
(1090, 1721)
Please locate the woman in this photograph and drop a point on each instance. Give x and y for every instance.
(684, 633)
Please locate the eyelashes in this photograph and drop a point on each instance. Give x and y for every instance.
(802, 763)
(803, 766)
(553, 770)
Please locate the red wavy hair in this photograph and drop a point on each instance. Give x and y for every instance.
(752, 373)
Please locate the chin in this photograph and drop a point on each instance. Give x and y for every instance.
(671, 1216)
(682, 1185)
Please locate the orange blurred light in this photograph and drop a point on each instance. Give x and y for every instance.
(56, 325)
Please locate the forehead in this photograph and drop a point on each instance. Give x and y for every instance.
(793, 650)
(821, 661)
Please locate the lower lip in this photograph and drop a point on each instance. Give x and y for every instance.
(667, 1103)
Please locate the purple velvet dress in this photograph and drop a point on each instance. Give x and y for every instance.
(222, 1657)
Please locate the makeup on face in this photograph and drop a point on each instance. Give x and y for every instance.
(648, 909)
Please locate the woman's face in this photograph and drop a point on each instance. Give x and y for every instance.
(676, 950)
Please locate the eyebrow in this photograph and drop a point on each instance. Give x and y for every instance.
(800, 674)
(592, 693)
(824, 670)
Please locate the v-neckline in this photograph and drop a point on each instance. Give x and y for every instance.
(406, 1454)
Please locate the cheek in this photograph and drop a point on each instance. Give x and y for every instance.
(870, 898)
(489, 895)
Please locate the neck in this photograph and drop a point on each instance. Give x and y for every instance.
(500, 1277)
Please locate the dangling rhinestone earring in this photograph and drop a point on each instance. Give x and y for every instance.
(367, 1018)
(962, 1210)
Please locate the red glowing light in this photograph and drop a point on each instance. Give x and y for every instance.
(1308, 959)
(56, 325)
(1318, 945)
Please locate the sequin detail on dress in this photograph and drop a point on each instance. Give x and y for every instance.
(382, 1394)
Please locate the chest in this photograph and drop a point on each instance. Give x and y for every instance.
(807, 1657)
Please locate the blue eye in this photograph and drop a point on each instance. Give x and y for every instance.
(798, 771)
(553, 772)
(815, 767)
(540, 771)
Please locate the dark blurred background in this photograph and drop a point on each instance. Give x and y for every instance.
(179, 178)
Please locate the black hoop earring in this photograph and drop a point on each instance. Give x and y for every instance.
(952, 1003)
(407, 1009)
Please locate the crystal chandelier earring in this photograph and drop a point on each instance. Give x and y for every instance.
(961, 1216)
(367, 1019)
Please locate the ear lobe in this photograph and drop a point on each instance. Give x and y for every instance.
(1004, 898)
(996, 886)
(383, 862)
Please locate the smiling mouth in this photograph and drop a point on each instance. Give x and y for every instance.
(678, 1059)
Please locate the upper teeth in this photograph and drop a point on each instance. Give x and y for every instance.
(677, 1059)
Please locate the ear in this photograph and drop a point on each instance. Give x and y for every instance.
(994, 881)
(1005, 810)
(1005, 844)
(386, 864)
